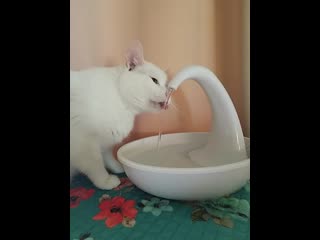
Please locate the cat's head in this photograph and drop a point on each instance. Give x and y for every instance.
(143, 85)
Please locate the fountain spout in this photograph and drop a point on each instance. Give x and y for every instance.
(225, 142)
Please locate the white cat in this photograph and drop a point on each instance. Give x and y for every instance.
(103, 105)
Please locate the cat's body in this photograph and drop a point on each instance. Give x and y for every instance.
(103, 106)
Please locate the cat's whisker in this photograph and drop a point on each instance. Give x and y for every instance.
(138, 102)
(176, 108)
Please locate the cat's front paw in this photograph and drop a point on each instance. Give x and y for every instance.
(115, 167)
(111, 182)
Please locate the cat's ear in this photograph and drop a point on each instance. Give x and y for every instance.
(134, 55)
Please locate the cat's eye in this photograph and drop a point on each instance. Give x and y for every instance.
(155, 80)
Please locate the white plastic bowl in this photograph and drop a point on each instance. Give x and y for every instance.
(181, 182)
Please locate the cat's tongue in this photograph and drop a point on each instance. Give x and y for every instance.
(163, 105)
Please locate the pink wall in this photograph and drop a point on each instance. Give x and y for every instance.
(174, 33)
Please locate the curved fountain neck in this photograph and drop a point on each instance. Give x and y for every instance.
(225, 141)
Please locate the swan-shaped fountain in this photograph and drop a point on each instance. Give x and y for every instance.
(193, 166)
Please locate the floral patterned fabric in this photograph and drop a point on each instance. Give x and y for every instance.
(127, 212)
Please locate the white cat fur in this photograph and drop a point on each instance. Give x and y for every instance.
(103, 104)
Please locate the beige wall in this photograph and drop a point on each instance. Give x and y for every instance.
(174, 33)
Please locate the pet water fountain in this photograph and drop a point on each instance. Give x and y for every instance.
(194, 165)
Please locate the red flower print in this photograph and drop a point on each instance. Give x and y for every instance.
(115, 210)
(124, 182)
(78, 194)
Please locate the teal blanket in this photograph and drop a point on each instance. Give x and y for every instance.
(129, 213)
